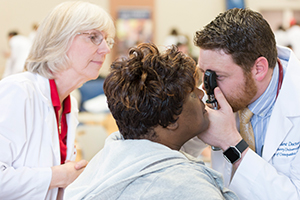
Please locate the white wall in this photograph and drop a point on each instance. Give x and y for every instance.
(187, 15)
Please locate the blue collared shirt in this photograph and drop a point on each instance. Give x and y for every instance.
(262, 109)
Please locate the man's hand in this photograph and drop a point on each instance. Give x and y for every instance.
(222, 131)
(63, 175)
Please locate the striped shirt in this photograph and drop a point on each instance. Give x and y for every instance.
(262, 110)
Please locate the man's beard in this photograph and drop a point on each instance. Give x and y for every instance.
(241, 99)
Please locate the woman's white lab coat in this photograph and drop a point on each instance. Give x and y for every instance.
(29, 143)
(275, 175)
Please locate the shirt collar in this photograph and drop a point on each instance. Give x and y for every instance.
(265, 102)
(55, 98)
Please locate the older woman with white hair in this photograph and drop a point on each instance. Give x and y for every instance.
(38, 116)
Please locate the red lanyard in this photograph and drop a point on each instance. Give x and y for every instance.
(280, 77)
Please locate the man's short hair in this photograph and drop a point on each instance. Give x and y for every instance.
(241, 33)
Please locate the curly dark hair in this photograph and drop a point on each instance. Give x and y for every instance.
(242, 33)
(148, 89)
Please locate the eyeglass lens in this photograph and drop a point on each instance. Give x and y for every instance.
(97, 38)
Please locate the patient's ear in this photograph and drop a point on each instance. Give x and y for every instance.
(173, 126)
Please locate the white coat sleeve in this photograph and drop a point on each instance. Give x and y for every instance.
(19, 182)
(255, 178)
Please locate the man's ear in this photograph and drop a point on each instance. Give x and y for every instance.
(173, 126)
(260, 68)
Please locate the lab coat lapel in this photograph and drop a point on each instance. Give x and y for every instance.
(50, 120)
(285, 109)
(275, 134)
(52, 126)
(72, 121)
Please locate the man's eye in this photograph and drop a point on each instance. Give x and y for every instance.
(220, 77)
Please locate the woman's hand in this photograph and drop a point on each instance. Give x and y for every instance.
(63, 175)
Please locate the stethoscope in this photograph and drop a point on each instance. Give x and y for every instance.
(280, 77)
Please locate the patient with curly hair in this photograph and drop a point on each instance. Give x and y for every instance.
(157, 106)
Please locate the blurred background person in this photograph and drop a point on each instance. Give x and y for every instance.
(33, 32)
(281, 36)
(293, 34)
(38, 116)
(174, 38)
(19, 47)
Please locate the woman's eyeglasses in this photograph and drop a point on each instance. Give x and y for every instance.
(97, 38)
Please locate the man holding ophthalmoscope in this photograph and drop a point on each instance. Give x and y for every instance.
(260, 159)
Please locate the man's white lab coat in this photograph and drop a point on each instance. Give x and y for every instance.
(275, 175)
